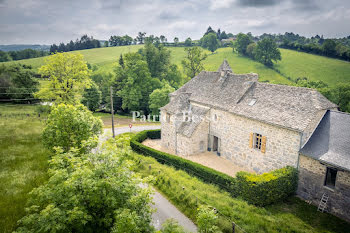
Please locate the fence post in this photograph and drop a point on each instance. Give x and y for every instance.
(233, 227)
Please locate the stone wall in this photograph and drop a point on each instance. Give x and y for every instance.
(282, 145)
(168, 134)
(197, 143)
(311, 187)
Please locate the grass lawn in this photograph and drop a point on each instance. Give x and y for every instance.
(298, 64)
(23, 161)
(187, 193)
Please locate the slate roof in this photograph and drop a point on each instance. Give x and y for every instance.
(187, 128)
(330, 143)
(286, 106)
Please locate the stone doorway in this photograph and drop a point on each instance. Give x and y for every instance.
(215, 144)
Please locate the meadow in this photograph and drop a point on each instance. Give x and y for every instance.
(188, 193)
(294, 64)
(23, 160)
(298, 64)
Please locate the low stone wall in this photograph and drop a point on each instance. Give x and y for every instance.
(311, 187)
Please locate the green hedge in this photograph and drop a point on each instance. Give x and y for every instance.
(259, 190)
(267, 188)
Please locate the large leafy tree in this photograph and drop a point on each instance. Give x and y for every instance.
(92, 97)
(134, 83)
(89, 193)
(68, 126)
(69, 76)
(210, 41)
(266, 51)
(193, 62)
(159, 98)
(17, 82)
(157, 58)
(242, 43)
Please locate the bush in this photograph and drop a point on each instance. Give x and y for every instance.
(172, 226)
(267, 188)
(259, 190)
(43, 109)
(206, 220)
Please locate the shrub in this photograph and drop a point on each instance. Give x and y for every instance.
(172, 226)
(267, 188)
(206, 220)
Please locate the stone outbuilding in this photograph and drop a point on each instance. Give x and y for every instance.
(263, 127)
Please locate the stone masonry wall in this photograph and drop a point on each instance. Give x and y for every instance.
(311, 187)
(188, 146)
(282, 145)
(168, 134)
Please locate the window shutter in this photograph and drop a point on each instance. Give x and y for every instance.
(263, 144)
(251, 140)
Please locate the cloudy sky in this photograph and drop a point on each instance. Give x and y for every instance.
(50, 21)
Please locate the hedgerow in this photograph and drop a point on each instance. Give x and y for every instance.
(259, 190)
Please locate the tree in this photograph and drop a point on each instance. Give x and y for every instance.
(4, 56)
(251, 50)
(17, 82)
(188, 42)
(242, 43)
(134, 83)
(193, 62)
(206, 220)
(121, 61)
(328, 47)
(209, 30)
(162, 38)
(266, 51)
(141, 37)
(223, 35)
(159, 98)
(340, 95)
(89, 193)
(106, 44)
(157, 58)
(68, 126)
(69, 76)
(210, 41)
(92, 97)
(176, 41)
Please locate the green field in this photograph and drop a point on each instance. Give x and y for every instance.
(23, 161)
(294, 64)
(298, 64)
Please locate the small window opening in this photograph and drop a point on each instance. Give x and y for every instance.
(331, 176)
(257, 144)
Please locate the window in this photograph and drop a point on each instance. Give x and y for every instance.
(331, 176)
(257, 144)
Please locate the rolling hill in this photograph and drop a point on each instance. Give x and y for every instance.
(294, 64)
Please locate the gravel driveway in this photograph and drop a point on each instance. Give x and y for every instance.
(165, 209)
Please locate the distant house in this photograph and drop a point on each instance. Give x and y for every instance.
(258, 126)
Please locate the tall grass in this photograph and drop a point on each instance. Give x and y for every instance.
(187, 193)
(23, 161)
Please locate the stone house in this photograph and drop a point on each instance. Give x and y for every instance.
(258, 126)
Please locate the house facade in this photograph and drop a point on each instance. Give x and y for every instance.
(259, 126)
(262, 127)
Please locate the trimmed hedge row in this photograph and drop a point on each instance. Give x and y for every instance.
(259, 190)
(269, 187)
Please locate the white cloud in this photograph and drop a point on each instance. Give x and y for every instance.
(218, 4)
